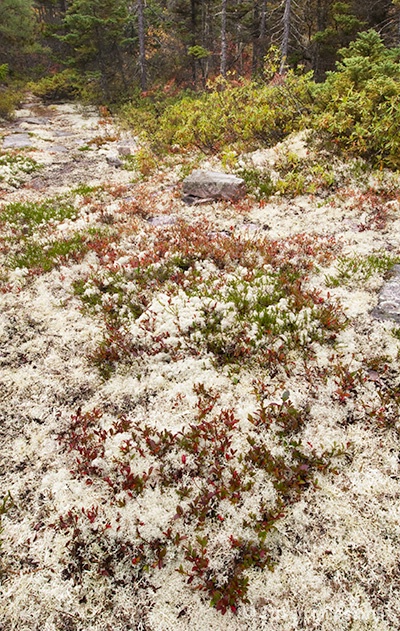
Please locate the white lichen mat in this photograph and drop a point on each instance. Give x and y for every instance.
(199, 414)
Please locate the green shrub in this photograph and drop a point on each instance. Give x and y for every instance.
(227, 115)
(245, 115)
(293, 176)
(259, 183)
(61, 86)
(3, 72)
(36, 256)
(9, 97)
(358, 107)
(58, 87)
(143, 113)
(144, 161)
(68, 86)
(356, 270)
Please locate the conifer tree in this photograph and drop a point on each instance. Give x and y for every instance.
(17, 32)
(98, 33)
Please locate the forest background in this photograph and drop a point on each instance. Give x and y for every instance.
(106, 49)
(212, 75)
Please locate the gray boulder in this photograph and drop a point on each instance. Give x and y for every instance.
(213, 185)
(388, 307)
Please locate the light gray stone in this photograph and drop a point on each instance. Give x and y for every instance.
(388, 307)
(63, 134)
(58, 149)
(35, 121)
(213, 185)
(114, 161)
(126, 150)
(17, 141)
(162, 220)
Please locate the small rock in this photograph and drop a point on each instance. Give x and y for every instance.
(191, 200)
(126, 150)
(213, 185)
(63, 134)
(37, 184)
(388, 307)
(115, 162)
(162, 220)
(58, 149)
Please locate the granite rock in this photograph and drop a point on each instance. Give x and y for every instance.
(388, 307)
(213, 185)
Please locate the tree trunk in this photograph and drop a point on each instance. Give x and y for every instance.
(286, 35)
(223, 39)
(263, 27)
(260, 31)
(142, 45)
(193, 37)
(398, 29)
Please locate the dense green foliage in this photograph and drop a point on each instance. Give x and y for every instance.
(356, 110)
(226, 115)
(359, 105)
(97, 33)
(106, 51)
(117, 45)
(8, 97)
(63, 86)
(17, 31)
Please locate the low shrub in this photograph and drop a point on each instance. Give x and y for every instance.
(68, 86)
(227, 115)
(206, 477)
(356, 110)
(291, 176)
(8, 101)
(29, 215)
(57, 87)
(144, 110)
(9, 96)
(3, 72)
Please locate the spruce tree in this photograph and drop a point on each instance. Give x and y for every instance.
(98, 33)
(17, 32)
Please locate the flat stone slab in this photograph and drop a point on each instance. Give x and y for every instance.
(58, 149)
(63, 134)
(17, 141)
(388, 307)
(162, 220)
(35, 121)
(213, 185)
